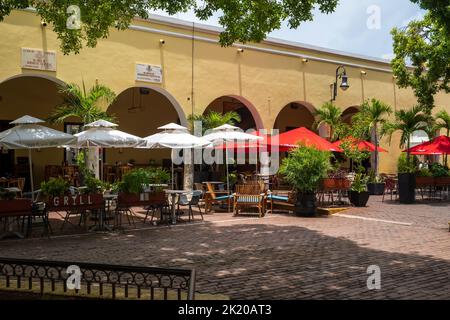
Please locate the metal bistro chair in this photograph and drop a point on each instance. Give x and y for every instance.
(190, 200)
(391, 187)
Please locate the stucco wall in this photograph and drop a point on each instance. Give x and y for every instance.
(268, 81)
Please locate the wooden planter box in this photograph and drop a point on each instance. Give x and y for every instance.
(15, 208)
(141, 199)
(422, 182)
(442, 181)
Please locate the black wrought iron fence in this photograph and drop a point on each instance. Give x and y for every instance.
(97, 281)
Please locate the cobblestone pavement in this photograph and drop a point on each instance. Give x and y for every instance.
(282, 256)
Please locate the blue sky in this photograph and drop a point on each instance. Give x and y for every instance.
(346, 29)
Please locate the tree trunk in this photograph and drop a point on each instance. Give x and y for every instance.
(188, 178)
(93, 161)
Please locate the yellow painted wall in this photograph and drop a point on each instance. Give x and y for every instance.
(268, 81)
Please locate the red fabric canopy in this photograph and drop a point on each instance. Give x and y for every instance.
(268, 144)
(362, 145)
(438, 146)
(293, 138)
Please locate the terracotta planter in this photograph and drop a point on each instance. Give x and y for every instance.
(80, 201)
(328, 184)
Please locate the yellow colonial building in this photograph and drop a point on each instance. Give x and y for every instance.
(164, 69)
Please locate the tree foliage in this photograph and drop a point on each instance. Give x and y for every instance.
(331, 115)
(425, 44)
(85, 105)
(243, 20)
(214, 119)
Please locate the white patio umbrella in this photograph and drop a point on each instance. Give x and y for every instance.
(227, 133)
(29, 134)
(173, 137)
(103, 134)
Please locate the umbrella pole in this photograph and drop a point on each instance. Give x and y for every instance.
(173, 175)
(31, 174)
(228, 178)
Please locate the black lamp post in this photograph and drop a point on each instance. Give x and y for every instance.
(341, 73)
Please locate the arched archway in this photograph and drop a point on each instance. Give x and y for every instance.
(348, 114)
(36, 95)
(295, 115)
(249, 115)
(140, 111)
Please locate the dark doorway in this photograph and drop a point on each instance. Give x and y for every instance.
(6, 156)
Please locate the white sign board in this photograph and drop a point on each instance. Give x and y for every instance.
(148, 73)
(38, 59)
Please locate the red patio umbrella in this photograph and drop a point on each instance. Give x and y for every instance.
(437, 146)
(268, 144)
(362, 145)
(293, 138)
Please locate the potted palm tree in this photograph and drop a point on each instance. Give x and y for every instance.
(331, 116)
(442, 121)
(359, 195)
(407, 122)
(304, 169)
(88, 106)
(375, 115)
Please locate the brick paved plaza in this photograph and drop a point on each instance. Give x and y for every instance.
(282, 256)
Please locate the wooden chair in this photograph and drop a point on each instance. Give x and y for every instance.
(213, 197)
(18, 184)
(391, 187)
(250, 195)
(109, 174)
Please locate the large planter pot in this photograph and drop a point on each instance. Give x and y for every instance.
(141, 199)
(376, 189)
(407, 188)
(359, 199)
(305, 205)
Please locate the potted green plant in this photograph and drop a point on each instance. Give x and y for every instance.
(359, 195)
(55, 187)
(304, 169)
(407, 122)
(7, 195)
(406, 179)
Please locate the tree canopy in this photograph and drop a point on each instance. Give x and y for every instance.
(243, 20)
(425, 44)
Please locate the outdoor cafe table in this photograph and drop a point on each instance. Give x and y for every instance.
(173, 194)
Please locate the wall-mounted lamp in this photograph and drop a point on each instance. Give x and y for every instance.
(394, 77)
(240, 50)
(341, 73)
(162, 41)
(304, 60)
(43, 23)
(363, 73)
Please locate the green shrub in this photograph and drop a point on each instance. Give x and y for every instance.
(424, 173)
(404, 167)
(6, 194)
(360, 183)
(93, 185)
(438, 170)
(135, 180)
(305, 167)
(54, 187)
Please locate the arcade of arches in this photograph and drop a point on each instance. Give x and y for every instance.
(138, 110)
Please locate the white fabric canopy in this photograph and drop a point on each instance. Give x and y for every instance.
(101, 134)
(228, 133)
(174, 136)
(28, 134)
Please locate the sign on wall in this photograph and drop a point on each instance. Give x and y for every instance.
(148, 73)
(38, 59)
